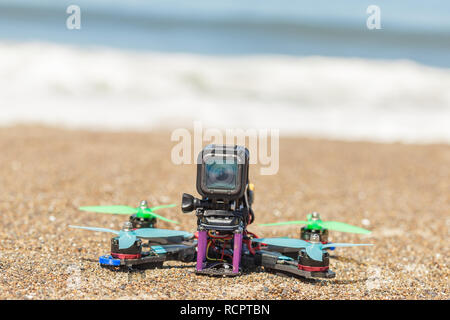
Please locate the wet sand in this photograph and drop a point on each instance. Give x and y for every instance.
(401, 192)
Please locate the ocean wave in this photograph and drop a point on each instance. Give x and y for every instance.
(345, 98)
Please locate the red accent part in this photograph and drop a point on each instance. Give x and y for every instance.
(250, 220)
(249, 246)
(214, 247)
(307, 268)
(196, 235)
(126, 256)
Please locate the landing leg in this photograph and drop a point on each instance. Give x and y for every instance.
(237, 251)
(201, 249)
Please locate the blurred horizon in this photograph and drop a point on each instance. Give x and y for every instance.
(311, 69)
(410, 29)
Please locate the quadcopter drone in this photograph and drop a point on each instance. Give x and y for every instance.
(222, 245)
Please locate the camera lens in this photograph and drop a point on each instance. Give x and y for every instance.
(221, 174)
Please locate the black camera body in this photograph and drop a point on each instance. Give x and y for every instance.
(222, 172)
(223, 183)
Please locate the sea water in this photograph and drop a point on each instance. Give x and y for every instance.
(310, 69)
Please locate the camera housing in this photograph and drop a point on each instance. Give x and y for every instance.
(222, 180)
(222, 172)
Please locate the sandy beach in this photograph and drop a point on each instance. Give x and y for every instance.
(401, 192)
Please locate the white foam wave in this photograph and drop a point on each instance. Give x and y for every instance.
(316, 96)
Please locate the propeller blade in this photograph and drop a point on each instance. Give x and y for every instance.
(284, 242)
(95, 229)
(343, 227)
(126, 239)
(282, 223)
(162, 206)
(315, 252)
(159, 217)
(330, 245)
(147, 233)
(111, 209)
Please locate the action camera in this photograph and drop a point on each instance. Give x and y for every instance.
(223, 183)
(222, 172)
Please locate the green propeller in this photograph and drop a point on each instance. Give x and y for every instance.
(315, 223)
(143, 211)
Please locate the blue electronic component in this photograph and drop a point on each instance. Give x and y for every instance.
(109, 260)
(159, 249)
(285, 258)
